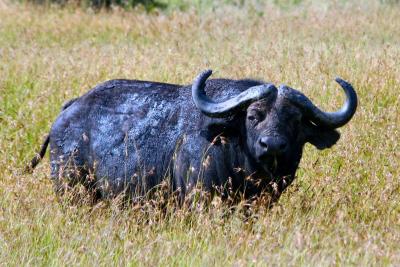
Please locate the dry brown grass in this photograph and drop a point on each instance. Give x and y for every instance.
(343, 209)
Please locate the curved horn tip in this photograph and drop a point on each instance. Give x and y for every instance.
(350, 92)
(342, 82)
(206, 73)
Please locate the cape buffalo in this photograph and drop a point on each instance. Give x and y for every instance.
(128, 136)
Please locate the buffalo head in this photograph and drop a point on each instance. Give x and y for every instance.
(275, 123)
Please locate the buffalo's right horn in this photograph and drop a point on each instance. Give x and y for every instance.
(230, 106)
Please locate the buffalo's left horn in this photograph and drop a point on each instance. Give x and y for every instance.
(322, 118)
(230, 106)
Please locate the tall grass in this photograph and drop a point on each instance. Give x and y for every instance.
(343, 208)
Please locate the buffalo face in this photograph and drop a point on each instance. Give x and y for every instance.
(273, 135)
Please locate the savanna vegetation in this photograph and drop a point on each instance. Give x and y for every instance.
(343, 208)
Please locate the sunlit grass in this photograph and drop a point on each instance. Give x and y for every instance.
(342, 209)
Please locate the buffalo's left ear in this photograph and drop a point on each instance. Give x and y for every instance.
(320, 137)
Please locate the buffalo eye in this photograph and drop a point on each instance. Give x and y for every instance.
(254, 117)
(251, 117)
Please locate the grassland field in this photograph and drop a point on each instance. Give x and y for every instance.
(342, 209)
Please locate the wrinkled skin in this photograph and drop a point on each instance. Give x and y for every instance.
(127, 136)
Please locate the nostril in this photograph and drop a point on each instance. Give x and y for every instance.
(282, 146)
(264, 142)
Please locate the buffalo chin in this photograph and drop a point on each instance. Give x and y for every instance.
(269, 164)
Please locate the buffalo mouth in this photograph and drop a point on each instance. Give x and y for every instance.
(269, 163)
